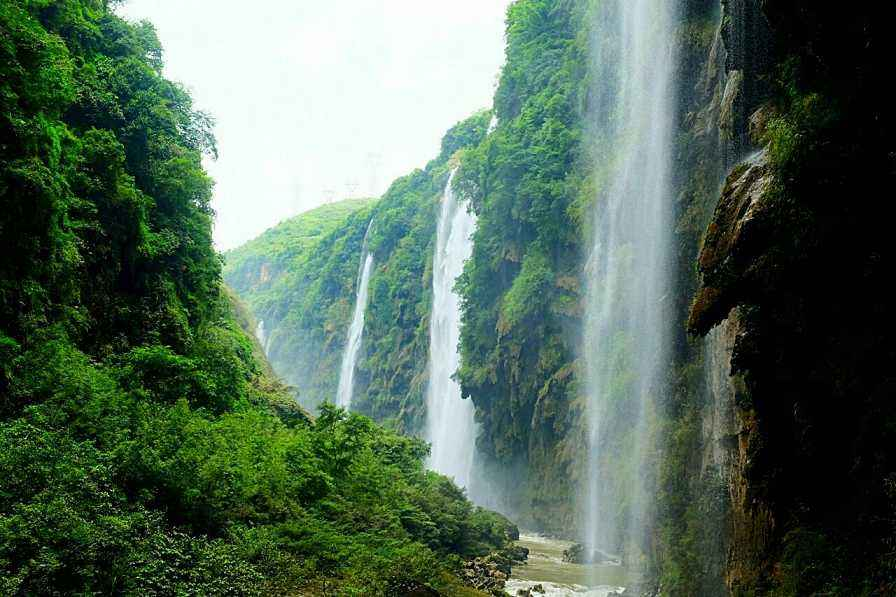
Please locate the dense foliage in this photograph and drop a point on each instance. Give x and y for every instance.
(143, 448)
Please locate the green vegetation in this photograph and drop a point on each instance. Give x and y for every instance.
(529, 184)
(522, 288)
(147, 448)
(260, 265)
(143, 448)
(306, 310)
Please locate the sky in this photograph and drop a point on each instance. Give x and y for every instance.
(318, 100)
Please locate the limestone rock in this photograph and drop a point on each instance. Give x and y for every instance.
(489, 573)
(733, 241)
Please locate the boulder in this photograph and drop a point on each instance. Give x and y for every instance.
(575, 554)
(734, 242)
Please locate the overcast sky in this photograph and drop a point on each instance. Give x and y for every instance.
(319, 98)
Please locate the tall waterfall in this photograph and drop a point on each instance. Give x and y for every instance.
(628, 317)
(356, 330)
(450, 425)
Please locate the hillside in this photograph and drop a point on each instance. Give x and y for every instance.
(258, 265)
(306, 308)
(144, 450)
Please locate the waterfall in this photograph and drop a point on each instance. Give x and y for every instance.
(261, 335)
(450, 425)
(628, 316)
(356, 329)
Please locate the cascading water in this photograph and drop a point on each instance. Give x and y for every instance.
(355, 330)
(492, 125)
(627, 319)
(261, 335)
(450, 424)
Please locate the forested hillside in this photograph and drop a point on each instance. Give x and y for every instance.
(265, 263)
(518, 345)
(143, 448)
(531, 185)
(306, 310)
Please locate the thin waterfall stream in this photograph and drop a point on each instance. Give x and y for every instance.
(450, 423)
(261, 335)
(346, 386)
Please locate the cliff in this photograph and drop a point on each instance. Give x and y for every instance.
(793, 263)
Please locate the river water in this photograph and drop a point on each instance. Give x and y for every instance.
(546, 567)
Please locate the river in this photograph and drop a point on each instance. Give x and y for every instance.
(546, 567)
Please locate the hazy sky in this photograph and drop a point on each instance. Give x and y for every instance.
(318, 98)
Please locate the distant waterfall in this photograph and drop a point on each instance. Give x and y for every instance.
(261, 335)
(356, 330)
(628, 311)
(450, 425)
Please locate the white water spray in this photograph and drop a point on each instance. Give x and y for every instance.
(356, 329)
(450, 424)
(627, 327)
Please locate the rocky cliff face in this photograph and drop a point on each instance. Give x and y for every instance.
(732, 433)
(793, 269)
(719, 542)
(749, 55)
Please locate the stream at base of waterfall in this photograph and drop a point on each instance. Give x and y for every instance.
(546, 570)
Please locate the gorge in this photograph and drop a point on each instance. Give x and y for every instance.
(599, 416)
(639, 310)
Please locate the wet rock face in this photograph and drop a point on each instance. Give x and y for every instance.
(733, 438)
(797, 258)
(734, 242)
(749, 59)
